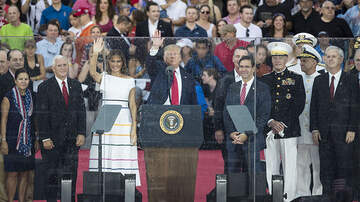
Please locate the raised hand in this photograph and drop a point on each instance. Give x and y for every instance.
(98, 45)
(157, 41)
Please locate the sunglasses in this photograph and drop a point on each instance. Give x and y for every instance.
(205, 12)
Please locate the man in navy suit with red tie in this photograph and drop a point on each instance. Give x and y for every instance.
(61, 118)
(182, 87)
(334, 124)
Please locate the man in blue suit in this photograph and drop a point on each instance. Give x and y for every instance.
(255, 95)
(182, 85)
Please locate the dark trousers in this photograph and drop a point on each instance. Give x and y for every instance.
(356, 168)
(60, 163)
(336, 167)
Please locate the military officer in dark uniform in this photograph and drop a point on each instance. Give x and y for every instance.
(288, 101)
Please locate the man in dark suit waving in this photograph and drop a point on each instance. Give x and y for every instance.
(240, 146)
(182, 87)
(333, 123)
(61, 119)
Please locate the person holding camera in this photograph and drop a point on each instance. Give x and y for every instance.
(33, 10)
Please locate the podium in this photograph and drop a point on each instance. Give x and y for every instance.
(171, 136)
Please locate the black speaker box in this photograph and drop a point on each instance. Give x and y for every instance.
(114, 183)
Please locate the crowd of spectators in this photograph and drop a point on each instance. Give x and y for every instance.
(213, 37)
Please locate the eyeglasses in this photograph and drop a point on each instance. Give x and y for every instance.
(205, 12)
(329, 8)
(247, 32)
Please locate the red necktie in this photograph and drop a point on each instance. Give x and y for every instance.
(65, 93)
(174, 91)
(243, 94)
(332, 87)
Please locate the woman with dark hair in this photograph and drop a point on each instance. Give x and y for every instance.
(33, 63)
(104, 16)
(209, 79)
(260, 59)
(119, 144)
(277, 28)
(204, 21)
(17, 135)
(67, 50)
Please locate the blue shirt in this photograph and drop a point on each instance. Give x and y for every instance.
(195, 66)
(62, 15)
(201, 99)
(352, 18)
(184, 31)
(49, 50)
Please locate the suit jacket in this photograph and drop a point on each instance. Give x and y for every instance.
(160, 88)
(56, 121)
(6, 83)
(338, 115)
(259, 103)
(116, 41)
(142, 29)
(220, 95)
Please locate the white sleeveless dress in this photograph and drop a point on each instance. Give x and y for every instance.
(118, 155)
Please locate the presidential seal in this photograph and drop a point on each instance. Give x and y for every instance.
(171, 122)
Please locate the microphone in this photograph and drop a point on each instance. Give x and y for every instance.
(169, 70)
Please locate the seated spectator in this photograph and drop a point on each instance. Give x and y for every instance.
(33, 63)
(305, 18)
(186, 46)
(123, 9)
(57, 11)
(18, 135)
(245, 28)
(219, 25)
(104, 15)
(16, 3)
(50, 46)
(191, 29)
(261, 56)
(3, 19)
(225, 50)
(277, 28)
(121, 42)
(233, 9)
(204, 21)
(136, 69)
(203, 59)
(352, 18)
(67, 50)
(324, 42)
(335, 27)
(83, 38)
(136, 17)
(175, 11)
(15, 33)
(33, 9)
(265, 12)
(75, 28)
(214, 14)
(95, 33)
(90, 5)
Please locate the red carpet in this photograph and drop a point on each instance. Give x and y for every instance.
(210, 163)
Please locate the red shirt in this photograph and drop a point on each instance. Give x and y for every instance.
(225, 54)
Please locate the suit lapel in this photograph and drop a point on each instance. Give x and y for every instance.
(183, 79)
(325, 85)
(250, 96)
(147, 28)
(340, 85)
(58, 93)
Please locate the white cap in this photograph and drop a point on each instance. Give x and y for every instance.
(309, 52)
(304, 38)
(279, 48)
(185, 42)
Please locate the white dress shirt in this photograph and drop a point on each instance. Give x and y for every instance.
(59, 81)
(248, 86)
(179, 82)
(152, 27)
(336, 80)
(237, 76)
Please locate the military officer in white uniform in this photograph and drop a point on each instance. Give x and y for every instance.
(299, 40)
(308, 151)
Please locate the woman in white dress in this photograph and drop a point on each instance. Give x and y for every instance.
(119, 150)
